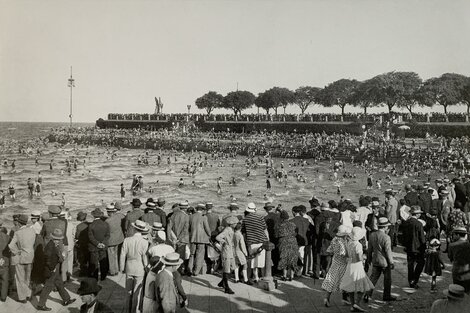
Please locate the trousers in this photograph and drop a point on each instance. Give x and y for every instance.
(133, 289)
(23, 280)
(374, 277)
(99, 260)
(113, 260)
(4, 271)
(415, 266)
(55, 281)
(196, 258)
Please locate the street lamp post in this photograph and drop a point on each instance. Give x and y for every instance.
(71, 84)
(189, 108)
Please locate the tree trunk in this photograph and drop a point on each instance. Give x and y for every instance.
(284, 110)
(342, 112)
(209, 110)
(468, 109)
(267, 111)
(390, 107)
(365, 110)
(409, 109)
(275, 110)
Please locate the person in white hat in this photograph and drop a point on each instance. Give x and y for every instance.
(165, 286)
(456, 301)
(116, 238)
(256, 233)
(36, 221)
(133, 261)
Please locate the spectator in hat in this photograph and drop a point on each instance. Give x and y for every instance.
(132, 216)
(4, 264)
(379, 255)
(178, 232)
(234, 211)
(459, 255)
(160, 211)
(303, 232)
(414, 242)
(149, 216)
(166, 292)
(54, 222)
(255, 230)
(272, 220)
(424, 199)
(411, 197)
(88, 292)
(98, 235)
(225, 238)
(460, 191)
(288, 248)
(133, 261)
(160, 246)
(211, 254)
(81, 243)
(116, 238)
(456, 301)
(37, 275)
(22, 255)
(199, 232)
(391, 212)
(36, 222)
(54, 256)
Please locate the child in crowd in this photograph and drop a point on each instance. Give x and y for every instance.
(434, 263)
(240, 254)
(228, 261)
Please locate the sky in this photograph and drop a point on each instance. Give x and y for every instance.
(124, 53)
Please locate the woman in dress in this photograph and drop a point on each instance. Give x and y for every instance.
(355, 280)
(434, 263)
(288, 248)
(339, 262)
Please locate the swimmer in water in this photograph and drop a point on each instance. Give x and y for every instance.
(181, 182)
(249, 193)
(123, 192)
(219, 187)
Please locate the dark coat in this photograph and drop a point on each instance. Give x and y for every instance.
(81, 235)
(304, 230)
(272, 221)
(413, 236)
(130, 218)
(411, 198)
(460, 193)
(51, 259)
(98, 232)
(162, 215)
(54, 223)
(425, 201)
(4, 250)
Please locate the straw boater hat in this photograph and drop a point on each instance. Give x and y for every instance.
(343, 230)
(415, 209)
(383, 222)
(200, 207)
(251, 208)
(454, 291)
(233, 206)
(118, 206)
(150, 203)
(157, 226)
(140, 226)
(172, 259)
(97, 213)
(36, 214)
(57, 234)
(183, 205)
(435, 242)
(209, 205)
(88, 286)
(54, 209)
(110, 208)
(460, 230)
(232, 220)
(375, 203)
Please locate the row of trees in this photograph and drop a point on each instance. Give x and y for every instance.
(404, 90)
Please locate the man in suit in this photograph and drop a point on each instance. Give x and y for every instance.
(166, 293)
(160, 212)
(116, 237)
(379, 254)
(411, 197)
(54, 256)
(133, 261)
(22, 255)
(81, 239)
(460, 191)
(272, 220)
(442, 206)
(4, 263)
(424, 199)
(178, 232)
(214, 222)
(391, 212)
(304, 231)
(133, 216)
(199, 236)
(149, 216)
(459, 255)
(88, 292)
(54, 222)
(415, 245)
(98, 235)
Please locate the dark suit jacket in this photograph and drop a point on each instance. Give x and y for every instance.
(51, 259)
(304, 230)
(4, 250)
(379, 252)
(272, 221)
(100, 307)
(413, 236)
(54, 223)
(425, 201)
(162, 215)
(98, 232)
(199, 228)
(411, 198)
(81, 235)
(214, 223)
(460, 193)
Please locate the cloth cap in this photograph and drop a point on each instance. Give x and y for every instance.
(383, 222)
(232, 220)
(54, 209)
(97, 213)
(136, 202)
(23, 219)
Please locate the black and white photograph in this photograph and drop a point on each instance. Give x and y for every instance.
(252, 156)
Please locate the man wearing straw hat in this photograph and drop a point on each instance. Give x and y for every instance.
(178, 232)
(459, 255)
(133, 261)
(149, 216)
(132, 216)
(167, 297)
(54, 256)
(22, 255)
(379, 254)
(415, 245)
(116, 237)
(199, 237)
(457, 301)
(98, 235)
(214, 222)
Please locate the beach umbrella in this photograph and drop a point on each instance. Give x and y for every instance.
(404, 127)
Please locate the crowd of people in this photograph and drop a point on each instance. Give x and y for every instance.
(154, 247)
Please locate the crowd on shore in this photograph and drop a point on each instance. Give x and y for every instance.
(336, 241)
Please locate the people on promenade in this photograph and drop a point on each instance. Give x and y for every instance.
(414, 242)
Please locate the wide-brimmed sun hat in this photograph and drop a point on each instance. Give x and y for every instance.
(454, 291)
(343, 230)
(415, 209)
(172, 259)
(140, 226)
(357, 233)
(251, 208)
(57, 234)
(231, 220)
(383, 222)
(88, 286)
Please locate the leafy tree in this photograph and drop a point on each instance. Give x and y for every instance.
(337, 93)
(284, 97)
(274, 98)
(466, 95)
(445, 90)
(393, 87)
(209, 101)
(265, 101)
(238, 101)
(363, 95)
(305, 96)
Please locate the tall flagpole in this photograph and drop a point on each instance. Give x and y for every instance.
(71, 84)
